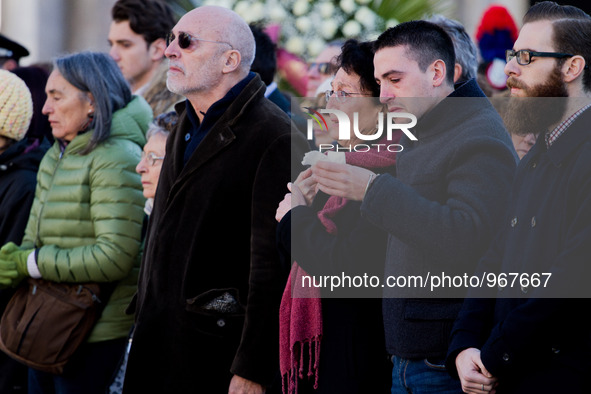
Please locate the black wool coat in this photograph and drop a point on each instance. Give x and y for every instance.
(211, 238)
(18, 178)
(533, 335)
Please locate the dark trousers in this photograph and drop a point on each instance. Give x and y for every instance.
(90, 371)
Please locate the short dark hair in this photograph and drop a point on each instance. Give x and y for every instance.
(426, 43)
(357, 57)
(152, 19)
(265, 59)
(549, 10)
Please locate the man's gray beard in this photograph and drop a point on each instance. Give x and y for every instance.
(174, 89)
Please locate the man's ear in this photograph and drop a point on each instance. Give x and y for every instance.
(157, 48)
(457, 72)
(573, 67)
(438, 69)
(232, 61)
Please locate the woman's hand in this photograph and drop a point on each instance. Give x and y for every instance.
(284, 205)
(307, 186)
(293, 199)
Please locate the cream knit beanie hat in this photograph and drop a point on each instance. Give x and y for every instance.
(16, 106)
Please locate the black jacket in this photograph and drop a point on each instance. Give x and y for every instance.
(18, 178)
(529, 342)
(212, 232)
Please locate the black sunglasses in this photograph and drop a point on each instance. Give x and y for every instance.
(185, 40)
(323, 68)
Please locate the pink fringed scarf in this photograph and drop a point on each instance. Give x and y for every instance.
(300, 314)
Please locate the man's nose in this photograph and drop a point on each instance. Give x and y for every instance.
(114, 53)
(386, 95)
(512, 68)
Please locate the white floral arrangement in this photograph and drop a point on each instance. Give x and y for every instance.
(306, 26)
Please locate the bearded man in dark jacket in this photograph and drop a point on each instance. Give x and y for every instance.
(528, 336)
(211, 280)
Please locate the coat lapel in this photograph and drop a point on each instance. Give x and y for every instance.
(217, 139)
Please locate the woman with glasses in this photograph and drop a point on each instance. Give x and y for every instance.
(328, 344)
(151, 163)
(86, 219)
(149, 168)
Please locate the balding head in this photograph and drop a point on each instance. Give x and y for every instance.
(222, 24)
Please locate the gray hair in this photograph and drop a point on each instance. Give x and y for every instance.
(98, 74)
(162, 124)
(242, 39)
(466, 52)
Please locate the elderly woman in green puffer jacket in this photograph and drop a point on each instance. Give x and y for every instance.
(86, 219)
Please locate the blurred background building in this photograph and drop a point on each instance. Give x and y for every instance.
(48, 28)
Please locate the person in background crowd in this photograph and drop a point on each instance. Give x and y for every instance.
(19, 161)
(18, 164)
(321, 134)
(496, 33)
(10, 53)
(340, 340)
(149, 168)
(18, 169)
(265, 64)
(320, 73)
(211, 282)
(137, 38)
(443, 207)
(464, 48)
(153, 155)
(520, 340)
(323, 67)
(523, 143)
(36, 78)
(86, 219)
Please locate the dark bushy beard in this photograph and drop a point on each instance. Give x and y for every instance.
(543, 107)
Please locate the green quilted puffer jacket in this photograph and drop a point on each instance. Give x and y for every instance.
(87, 215)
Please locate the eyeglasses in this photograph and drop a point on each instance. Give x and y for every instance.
(341, 95)
(323, 68)
(185, 40)
(524, 56)
(151, 158)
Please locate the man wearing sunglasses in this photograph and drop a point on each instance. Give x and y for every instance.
(528, 337)
(211, 279)
(323, 67)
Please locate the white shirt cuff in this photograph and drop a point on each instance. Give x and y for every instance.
(32, 266)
